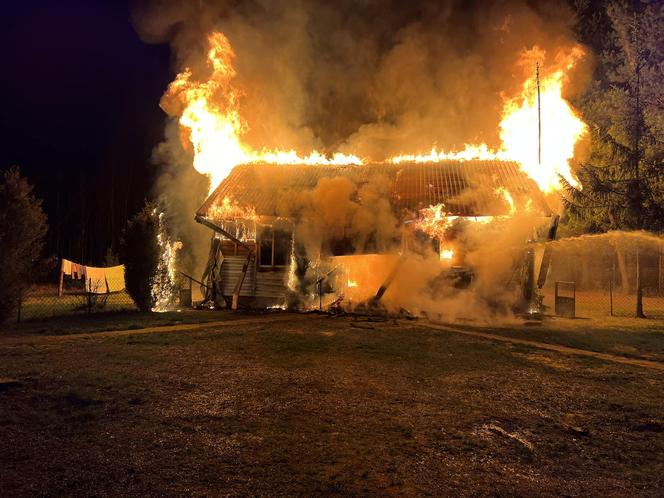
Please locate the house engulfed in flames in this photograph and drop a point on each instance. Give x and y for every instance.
(259, 256)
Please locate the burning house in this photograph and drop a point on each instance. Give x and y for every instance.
(266, 248)
(365, 226)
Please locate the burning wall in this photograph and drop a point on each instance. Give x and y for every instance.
(380, 209)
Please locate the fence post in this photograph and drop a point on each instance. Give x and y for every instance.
(611, 296)
(659, 272)
(89, 296)
(639, 285)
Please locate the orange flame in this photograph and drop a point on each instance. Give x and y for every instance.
(561, 130)
(507, 197)
(446, 254)
(209, 115)
(210, 112)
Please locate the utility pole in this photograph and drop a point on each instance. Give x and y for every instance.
(539, 117)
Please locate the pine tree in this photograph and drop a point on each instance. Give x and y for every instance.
(22, 230)
(623, 178)
(139, 252)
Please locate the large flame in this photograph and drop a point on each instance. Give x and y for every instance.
(209, 115)
(561, 130)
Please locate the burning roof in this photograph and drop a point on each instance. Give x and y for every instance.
(466, 188)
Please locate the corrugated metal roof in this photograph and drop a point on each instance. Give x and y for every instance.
(466, 188)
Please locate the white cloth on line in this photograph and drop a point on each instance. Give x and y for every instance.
(66, 266)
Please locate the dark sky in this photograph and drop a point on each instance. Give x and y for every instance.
(80, 115)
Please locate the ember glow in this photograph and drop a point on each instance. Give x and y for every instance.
(446, 254)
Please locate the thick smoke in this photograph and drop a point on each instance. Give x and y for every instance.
(373, 78)
(181, 191)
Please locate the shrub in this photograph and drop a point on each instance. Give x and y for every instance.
(22, 230)
(139, 251)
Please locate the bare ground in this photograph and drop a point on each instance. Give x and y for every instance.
(308, 405)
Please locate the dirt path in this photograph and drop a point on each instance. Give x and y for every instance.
(654, 365)
(183, 327)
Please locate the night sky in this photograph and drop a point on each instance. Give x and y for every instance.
(80, 116)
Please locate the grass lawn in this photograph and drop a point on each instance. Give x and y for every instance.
(45, 305)
(629, 337)
(320, 405)
(114, 320)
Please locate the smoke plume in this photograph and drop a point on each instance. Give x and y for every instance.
(373, 78)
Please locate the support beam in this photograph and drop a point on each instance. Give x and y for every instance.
(218, 229)
(238, 286)
(388, 281)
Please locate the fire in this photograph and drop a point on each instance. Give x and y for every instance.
(434, 221)
(164, 284)
(291, 157)
(229, 209)
(351, 283)
(446, 254)
(561, 130)
(505, 195)
(210, 118)
(209, 112)
(470, 152)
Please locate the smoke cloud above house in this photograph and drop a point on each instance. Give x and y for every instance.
(371, 78)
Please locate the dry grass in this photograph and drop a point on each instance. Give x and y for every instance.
(315, 406)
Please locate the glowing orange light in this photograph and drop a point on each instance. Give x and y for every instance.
(446, 254)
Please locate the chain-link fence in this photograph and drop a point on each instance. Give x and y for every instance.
(74, 296)
(605, 272)
(102, 292)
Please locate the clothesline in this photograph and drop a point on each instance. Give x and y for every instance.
(97, 280)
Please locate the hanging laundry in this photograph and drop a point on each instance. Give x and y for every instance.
(66, 266)
(95, 280)
(115, 278)
(77, 271)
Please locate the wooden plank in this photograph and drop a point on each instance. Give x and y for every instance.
(238, 286)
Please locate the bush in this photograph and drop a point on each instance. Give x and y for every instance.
(139, 252)
(22, 230)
